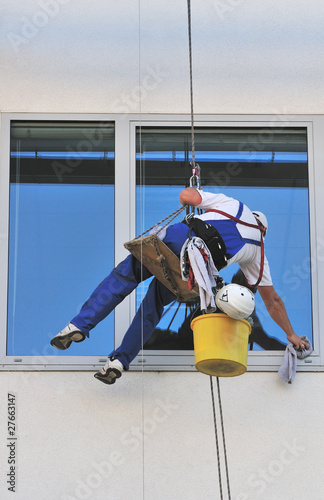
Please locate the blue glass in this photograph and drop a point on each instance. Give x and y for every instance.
(287, 247)
(225, 156)
(61, 247)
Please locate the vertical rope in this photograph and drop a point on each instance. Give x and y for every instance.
(216, 439)
(191, 86)
(195, 178)
(223, 436)
(141, 226)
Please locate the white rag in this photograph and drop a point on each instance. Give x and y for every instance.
(287, 370)
(204, 272)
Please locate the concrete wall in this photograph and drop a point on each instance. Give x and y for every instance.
(151, 435)
(76, 56)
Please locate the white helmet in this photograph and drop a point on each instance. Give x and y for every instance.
(236, 301)
(261, 220)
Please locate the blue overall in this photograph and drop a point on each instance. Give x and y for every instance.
(128, 274)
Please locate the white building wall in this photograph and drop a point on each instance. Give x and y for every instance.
(151, 435)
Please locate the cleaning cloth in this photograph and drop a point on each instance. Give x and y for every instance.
(204, 271)
(287, 370)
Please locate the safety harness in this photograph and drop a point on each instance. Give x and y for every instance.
(261, 228)
(210, 235)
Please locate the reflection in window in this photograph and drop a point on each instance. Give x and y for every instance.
(265, 168)
(61, 227)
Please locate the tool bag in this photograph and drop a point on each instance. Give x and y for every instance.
(211, 237)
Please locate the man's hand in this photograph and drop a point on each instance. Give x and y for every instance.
(297, 342)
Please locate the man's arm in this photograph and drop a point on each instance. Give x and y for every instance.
(278, 313)
(190, 196)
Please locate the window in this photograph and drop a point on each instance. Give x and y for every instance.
(75, 188)
(267, 169)
(61, 231)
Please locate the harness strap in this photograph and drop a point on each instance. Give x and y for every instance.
(249, 224)
(252, 242)
(240, 210)
(238, 216)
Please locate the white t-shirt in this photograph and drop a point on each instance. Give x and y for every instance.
(249, 257)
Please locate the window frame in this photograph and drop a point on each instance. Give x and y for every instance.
(125, 210)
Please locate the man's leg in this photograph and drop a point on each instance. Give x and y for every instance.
(112, 290)
(120, 283)
(144, 322)
(151, 309)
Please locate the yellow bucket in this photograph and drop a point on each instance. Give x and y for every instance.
(220, 344)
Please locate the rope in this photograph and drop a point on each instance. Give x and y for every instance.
(195, 178)
(191, 86)
(217, 440)
(223, 436)
(141, 219)
(195, 167)
(171, 217)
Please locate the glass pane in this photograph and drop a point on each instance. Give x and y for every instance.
(265, 168)
(61, 222)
